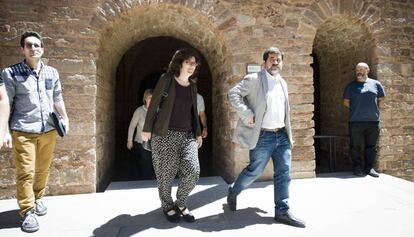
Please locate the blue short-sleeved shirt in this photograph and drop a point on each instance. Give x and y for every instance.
(31, 96)
(363, 98)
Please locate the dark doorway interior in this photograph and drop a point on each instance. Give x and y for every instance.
(321, 156)
(140, 69)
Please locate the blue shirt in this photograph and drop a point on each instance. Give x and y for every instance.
(363, 98)
(32, 96)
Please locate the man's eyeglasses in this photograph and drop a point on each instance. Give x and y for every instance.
(30, 45)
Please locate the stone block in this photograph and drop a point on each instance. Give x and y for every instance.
(74, 66)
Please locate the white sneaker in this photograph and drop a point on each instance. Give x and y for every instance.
(30, 223)
(40, 208)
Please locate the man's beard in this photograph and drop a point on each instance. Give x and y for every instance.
(274, 70)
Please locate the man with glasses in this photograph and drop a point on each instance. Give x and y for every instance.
(261, 101)
(34, 92)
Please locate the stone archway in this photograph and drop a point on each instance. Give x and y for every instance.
(340, 43)
(135, 25)
(140, 69)
(340, 34)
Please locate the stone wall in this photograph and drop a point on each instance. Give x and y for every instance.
(85, 41)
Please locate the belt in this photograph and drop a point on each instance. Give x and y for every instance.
(271, 129)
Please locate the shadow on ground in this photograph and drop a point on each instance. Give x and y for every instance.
(129, 225)
(9, 219)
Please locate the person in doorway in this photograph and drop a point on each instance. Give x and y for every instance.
(172, 124)
(146, 169)
(34, 92)
(364, 97)
(202, 114)
(261, 101)
(4, 112)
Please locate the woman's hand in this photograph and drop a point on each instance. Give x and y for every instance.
(199, 141)
(145, 136)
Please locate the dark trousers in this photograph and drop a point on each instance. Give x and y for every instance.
(145, 167)
(363, 133)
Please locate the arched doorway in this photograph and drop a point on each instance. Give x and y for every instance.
(340, 43)
(139, 69)
(124, 33)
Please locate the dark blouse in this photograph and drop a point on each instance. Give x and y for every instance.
(181, 119)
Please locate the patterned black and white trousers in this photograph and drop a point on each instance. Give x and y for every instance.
(175, 154)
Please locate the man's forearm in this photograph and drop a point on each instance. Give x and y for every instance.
(4, 113)
(381, 103)
(60, 107)
(203, 119)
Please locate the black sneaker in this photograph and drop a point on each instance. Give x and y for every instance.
(231, 200)
(373, 173)
(358, 172)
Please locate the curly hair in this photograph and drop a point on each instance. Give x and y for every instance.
(179, 57)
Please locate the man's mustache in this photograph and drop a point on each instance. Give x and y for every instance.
(359, 74)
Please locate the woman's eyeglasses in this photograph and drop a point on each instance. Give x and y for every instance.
(193, 64)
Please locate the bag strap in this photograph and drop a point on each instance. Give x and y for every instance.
(166, 88)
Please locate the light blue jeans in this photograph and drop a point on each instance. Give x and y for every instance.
(270, 145)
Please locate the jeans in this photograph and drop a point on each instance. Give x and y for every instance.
(145, 167)
(363, 133)
(273, 145)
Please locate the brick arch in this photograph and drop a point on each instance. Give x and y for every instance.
(317, 13)
(389, 31)
(121, 28)
(321, 10)
(340, 43)
(323, 23)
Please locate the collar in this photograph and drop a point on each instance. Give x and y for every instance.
(272, 77)
(29, 70)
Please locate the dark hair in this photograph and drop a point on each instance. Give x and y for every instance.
(272, 50)
(179, 57)
(30, 34)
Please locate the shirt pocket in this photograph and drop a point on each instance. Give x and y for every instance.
(48, 84)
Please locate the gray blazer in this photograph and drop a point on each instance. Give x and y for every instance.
(248, 97)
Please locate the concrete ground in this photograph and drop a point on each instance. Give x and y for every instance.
(332, 205)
